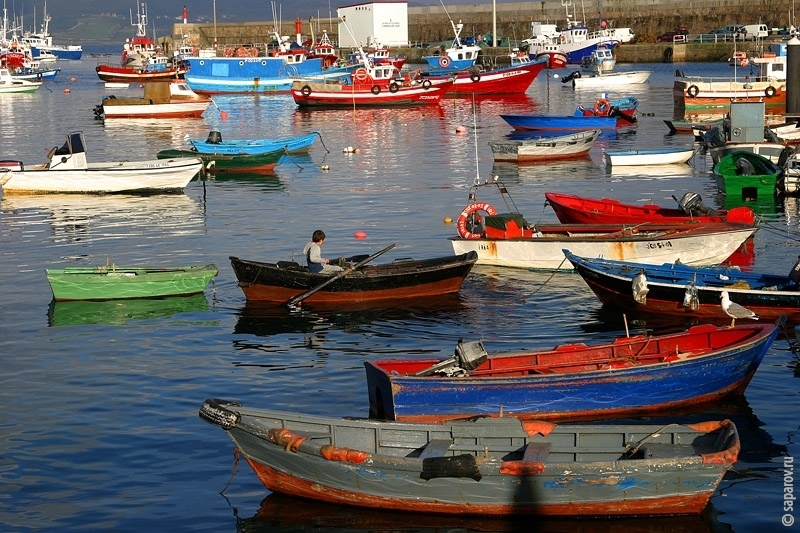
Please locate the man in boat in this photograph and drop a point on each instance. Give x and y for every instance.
(313, 252)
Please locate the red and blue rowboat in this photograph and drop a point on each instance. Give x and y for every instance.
(632, 376)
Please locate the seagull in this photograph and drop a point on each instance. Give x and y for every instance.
(735, 310)
(639, 287)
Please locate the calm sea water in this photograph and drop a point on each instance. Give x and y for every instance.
(100, 429)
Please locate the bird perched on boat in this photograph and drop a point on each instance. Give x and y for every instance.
(639, 287)
(734, 310)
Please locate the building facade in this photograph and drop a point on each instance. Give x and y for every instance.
(384, 23)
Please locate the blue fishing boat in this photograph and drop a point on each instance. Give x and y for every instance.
(215, 145)
(456, 58)
(632, 376)
(676, 289)
(247, 70)
(36, 74)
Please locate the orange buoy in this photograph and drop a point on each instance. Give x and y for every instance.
(461, 129)
(66, 91)
(223, 114)
(73, 78)
(360, 234)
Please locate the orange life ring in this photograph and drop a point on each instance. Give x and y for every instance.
(444, 61)
(361, 74)
(227, 52)
(563, 38)
(474, 207)
(601, 107)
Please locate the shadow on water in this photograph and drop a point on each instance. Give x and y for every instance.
(279, 513)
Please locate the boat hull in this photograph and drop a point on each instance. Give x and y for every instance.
(664, 156)
(130, 75)
(378, 464)
(265, 162)
(678, 290)
(314, 94)
(242, 75)
(111, 282)
(295, 144)
(407, 278)
(571, 209)
(611, 79)
(117, 177)
(508, 80)
(693, 244)
(695, 95)
(633, 376)
(545, 149)
(565, 123)
(147, 110)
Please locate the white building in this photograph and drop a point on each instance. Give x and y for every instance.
(385, 23)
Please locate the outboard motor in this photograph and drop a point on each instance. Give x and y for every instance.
(568, 78)
(467, 356)
(692, 204)
(794, 273)
(744, 167)
(714, 138)
(214, 137)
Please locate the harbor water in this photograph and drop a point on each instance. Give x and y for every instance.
(100, 428)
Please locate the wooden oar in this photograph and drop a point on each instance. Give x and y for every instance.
(299, 298)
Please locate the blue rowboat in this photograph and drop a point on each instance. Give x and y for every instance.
(632, 376)
(562, 123)
(677, 289)
(215, 145)
(483, 467)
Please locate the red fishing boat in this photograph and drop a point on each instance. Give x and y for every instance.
(517, 77)
(370, 86)
(571, 209)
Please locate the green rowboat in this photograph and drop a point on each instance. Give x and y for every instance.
(111, 282)
(747, 176)
(264, 162)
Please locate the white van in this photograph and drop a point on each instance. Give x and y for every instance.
(623, 35)
(756, 31)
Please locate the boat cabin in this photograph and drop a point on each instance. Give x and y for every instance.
(71, 155)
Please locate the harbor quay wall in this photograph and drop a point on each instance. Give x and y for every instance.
(430, 25)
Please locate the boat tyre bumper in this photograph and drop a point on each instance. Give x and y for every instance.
(216, 412)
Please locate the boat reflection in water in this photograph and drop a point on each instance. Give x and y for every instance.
(263, 319)
(121, 312)
(279, 513)
(75, 217)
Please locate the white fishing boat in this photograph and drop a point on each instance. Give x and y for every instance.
(67, 171)
(654, 156)
(10, 84)
(508, 240)
(601, 80)
(571, 146)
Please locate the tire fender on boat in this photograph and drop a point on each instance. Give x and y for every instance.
(475, 76)
(393, 87)
(376, 89)
(769, 91)
(305, 91)
(426, 84)
(461, 223)
(693, 90)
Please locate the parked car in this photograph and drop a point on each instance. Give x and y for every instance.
(669, 36)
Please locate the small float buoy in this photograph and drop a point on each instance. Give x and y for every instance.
(461, 129)
(66, 91)
(360, 234)
(349, 150)
(223, 114)
(325, 167)
(73, 78)
(448, 220)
